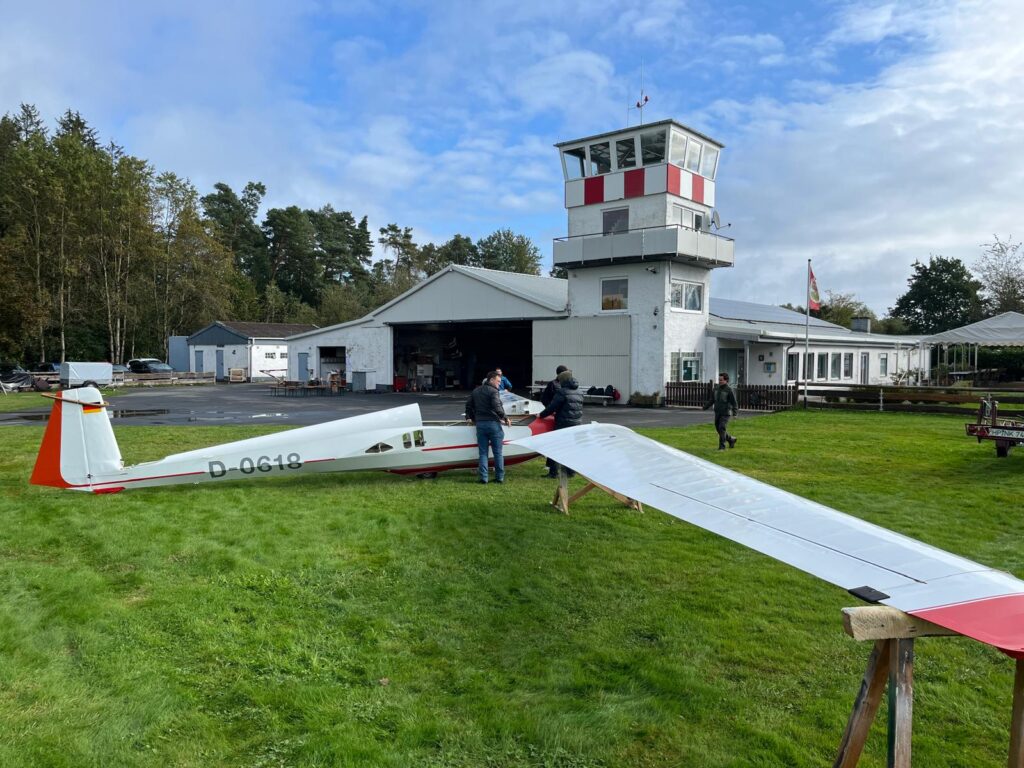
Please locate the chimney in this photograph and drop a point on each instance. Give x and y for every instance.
(861, 324)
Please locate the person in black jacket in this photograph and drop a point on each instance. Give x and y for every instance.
(483, 408)
(723, 399)
(546, 397)
(566, 405)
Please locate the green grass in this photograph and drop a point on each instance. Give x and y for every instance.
(372, 620)
(23, 401)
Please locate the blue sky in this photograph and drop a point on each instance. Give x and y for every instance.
(862, 135)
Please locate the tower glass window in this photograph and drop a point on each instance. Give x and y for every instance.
(709, 162)
(600, 158)
(575, 162)
(614, 293)
(687, 296)
(693, 155)
(616, 220)
(652, 147)
(625, 153)
(677, 151)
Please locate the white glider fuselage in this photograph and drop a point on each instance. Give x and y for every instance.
(79, 450)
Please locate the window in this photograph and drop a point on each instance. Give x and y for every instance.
(677, 151)
(575, 162)
(407, 440)
(687, 296)
(378, 448)
(614, 294)
(709, 162)
(418, 438)
(600, 158)
(792, 366)
(847, 365)
(693, 155)
(284, 355)
(822, 366)
(834, 371)
(652, 147)
(683, 216)
(271, 355)
(615, 220)
(883, 364)
(809, 366)
(625, 153)
(686, 366)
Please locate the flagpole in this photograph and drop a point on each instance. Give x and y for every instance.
(807, 329)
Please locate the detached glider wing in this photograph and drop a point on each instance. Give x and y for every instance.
(872, 563)
(79, 450)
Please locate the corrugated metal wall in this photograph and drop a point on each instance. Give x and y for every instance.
(597, 349)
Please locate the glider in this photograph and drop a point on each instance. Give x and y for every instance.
(79, 450)
(871, 562)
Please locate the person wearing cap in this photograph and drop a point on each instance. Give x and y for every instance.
(566, 405)
(483, 409)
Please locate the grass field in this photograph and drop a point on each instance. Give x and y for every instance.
(372, 620)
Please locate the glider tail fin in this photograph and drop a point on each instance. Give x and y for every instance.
(78, 446)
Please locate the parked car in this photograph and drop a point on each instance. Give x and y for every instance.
(149, 365)
(50, 367)
(118, 368)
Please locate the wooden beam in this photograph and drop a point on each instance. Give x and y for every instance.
(1017, 720)
(865, 706)
(880, 622)
(901, 701)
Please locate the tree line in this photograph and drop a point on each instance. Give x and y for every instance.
(942, 294)
(103, 257)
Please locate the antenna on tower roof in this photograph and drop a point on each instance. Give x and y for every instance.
(642, 101)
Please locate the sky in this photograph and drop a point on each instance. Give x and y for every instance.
(861, 135)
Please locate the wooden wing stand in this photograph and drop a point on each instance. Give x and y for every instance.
(892, 662)
(562, 499)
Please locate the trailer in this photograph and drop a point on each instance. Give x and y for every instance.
(86, 374)
(1005, 432)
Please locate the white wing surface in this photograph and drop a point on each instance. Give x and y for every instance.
(871, 562)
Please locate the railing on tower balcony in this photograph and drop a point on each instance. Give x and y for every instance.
(673, 240)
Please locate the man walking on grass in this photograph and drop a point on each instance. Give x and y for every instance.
(484, 410)
(724, 401)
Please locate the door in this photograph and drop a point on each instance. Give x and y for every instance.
(199, 361)
(220, 364)
(729, 361)
(303, 372)
(864, 358)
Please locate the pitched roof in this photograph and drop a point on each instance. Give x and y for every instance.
(550, 292)
(265, 330)
(729, 309)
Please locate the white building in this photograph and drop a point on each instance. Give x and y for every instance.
(259, 349)
(634, 311)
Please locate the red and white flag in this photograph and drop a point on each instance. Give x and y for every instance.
(813, 297)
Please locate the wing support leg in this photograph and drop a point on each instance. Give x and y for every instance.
(562, 499)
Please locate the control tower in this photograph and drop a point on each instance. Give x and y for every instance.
(642, 242)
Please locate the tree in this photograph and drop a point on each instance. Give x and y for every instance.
(1001, 269)
(294, 266)
(941, 295)
(459, 250)
(509, 252)
(841, 308)
(234, 220)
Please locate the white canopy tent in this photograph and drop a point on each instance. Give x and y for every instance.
(1005, 330)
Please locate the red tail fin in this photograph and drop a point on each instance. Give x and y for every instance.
(47, 469)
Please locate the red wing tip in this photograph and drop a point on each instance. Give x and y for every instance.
(115, 489)
(997, 621)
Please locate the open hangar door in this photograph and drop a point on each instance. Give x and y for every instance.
(432, 356)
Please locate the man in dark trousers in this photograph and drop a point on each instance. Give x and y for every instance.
(724, 401)
(546, 397)
(567, 405)
(483, 408)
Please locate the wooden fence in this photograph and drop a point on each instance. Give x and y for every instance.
(750, 397)
(867, 397)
